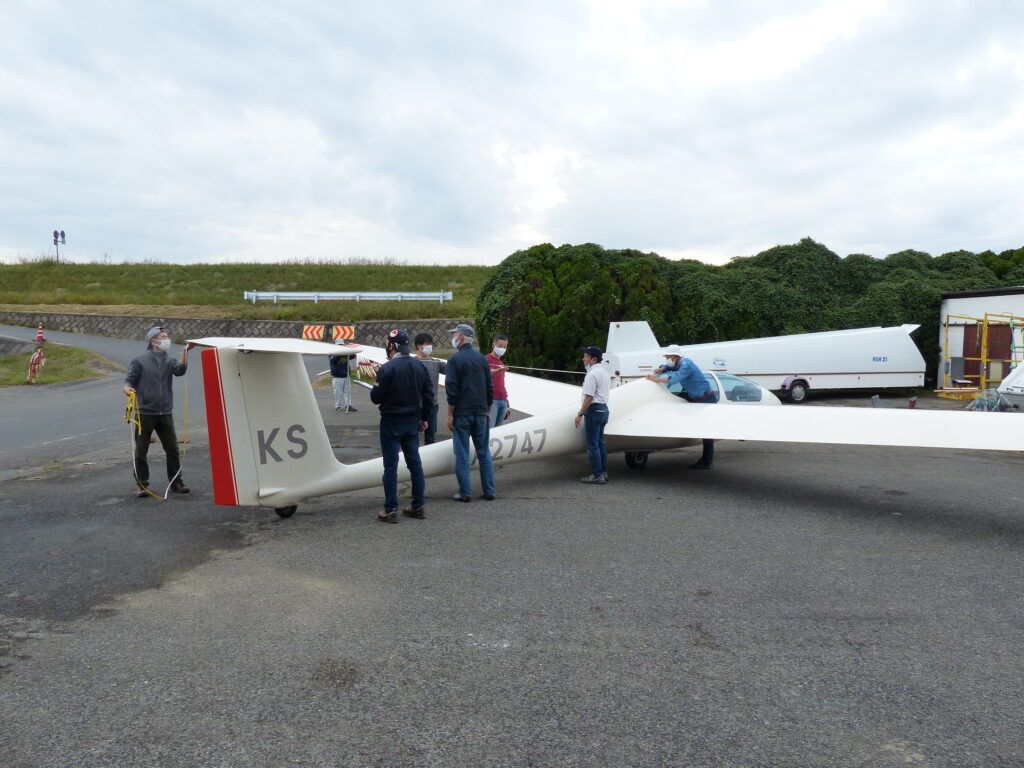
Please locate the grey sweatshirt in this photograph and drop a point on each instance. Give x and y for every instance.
(150, 375)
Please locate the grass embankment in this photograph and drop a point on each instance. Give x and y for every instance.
(63, 363)
(215, 290)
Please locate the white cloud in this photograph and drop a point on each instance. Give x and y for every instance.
(440, 133)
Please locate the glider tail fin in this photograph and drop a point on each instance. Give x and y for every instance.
(268, 443)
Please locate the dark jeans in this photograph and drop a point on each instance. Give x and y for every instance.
(164, 427)
(708, 455)
(430, 435)
(594, 422)
(401, 435)
(478, 427)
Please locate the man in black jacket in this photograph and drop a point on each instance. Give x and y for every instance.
(470, 391)
(405, 397)
(149, 377)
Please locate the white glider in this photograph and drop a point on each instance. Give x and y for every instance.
(269, 446)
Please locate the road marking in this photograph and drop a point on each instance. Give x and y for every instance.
(60, 440)
(75, 437)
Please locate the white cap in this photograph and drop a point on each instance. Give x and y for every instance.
(673, 349)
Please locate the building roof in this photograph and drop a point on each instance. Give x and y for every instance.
(1016, 290)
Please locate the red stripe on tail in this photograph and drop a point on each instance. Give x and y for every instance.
(225, 490)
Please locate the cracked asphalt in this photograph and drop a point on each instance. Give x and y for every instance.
(798, 606)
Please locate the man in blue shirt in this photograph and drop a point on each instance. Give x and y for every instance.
(695, 389)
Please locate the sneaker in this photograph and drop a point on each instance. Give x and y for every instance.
(350, 409)
(593, 479)
(180, 488)
(487, 496)
(142, 491)
(460, 497)
(388, 516)
(602, 479)
(416, 512)
(337, 407)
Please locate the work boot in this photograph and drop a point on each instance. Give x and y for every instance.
(179, 487)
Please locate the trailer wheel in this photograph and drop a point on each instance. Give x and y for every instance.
(286, 512)
(636, 459)
(797, 392)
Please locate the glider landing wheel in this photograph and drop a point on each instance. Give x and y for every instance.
(286, 511)
(797, 392)
(636, 459)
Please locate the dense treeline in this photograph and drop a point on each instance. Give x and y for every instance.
(552, 301)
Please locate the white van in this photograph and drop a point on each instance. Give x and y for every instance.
(861, 358)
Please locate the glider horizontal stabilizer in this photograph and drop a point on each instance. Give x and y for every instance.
(297, 346)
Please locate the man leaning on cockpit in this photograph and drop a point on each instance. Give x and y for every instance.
(695, 388)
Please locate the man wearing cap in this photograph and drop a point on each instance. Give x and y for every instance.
(470, 392)
(594, 409)
(340, 380)
(149, 377)
(405, 396)
(695, 389)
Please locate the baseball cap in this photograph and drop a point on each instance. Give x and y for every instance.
(398, 337)
(593, 352)
(465, 330)
(673, 349)
(154, 331)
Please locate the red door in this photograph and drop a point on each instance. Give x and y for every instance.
(999, 337)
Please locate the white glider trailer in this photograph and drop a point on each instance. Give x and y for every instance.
(860, 358)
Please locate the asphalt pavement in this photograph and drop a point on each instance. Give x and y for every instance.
(797, 606)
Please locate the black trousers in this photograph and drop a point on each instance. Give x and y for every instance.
(164, 427)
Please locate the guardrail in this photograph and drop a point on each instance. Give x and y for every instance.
(275, 296)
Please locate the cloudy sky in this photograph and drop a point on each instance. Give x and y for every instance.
(458, 132)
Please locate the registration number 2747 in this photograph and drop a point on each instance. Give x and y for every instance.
(507, 446)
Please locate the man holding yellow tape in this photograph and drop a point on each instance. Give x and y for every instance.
(149, 378)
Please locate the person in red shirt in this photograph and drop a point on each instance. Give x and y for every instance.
(500, 409)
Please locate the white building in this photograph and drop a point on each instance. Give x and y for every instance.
(981, 335)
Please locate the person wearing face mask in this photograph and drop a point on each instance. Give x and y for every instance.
(424, 347)
(149, 377)
(469, 390)
(695, 388)
(499, 408)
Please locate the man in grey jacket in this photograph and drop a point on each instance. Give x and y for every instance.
(149, 377)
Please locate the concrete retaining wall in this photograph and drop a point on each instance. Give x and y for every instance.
(181, 328)
(9, 346)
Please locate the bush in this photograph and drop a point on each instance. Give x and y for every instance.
(552, 301)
